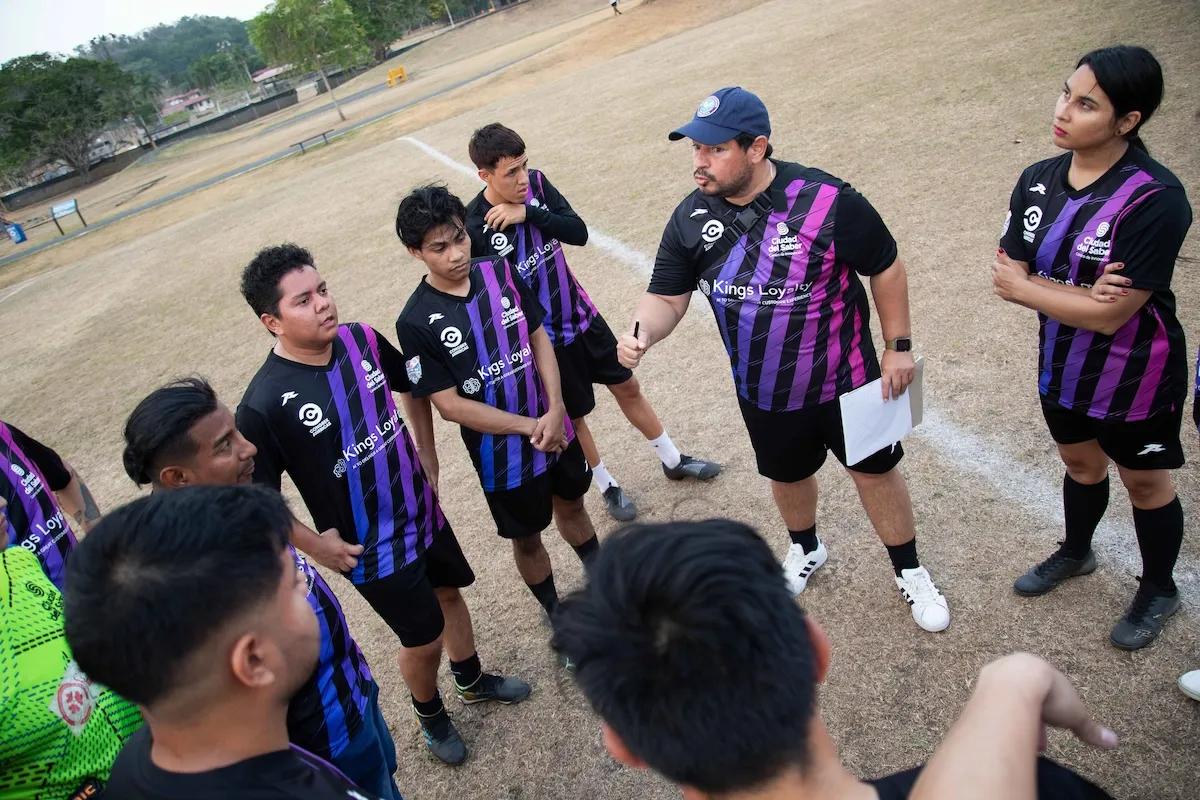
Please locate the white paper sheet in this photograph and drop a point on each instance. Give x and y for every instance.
(870, 423)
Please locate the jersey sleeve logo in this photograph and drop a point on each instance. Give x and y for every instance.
(313, 418)
(413, 368)
(452, 338)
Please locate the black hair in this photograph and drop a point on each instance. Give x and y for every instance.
(261, 277)
(687, 642)
(493, 142)
(139, 600)
(424, 209)
(1132, 78)
(744, 140)
(158, 431)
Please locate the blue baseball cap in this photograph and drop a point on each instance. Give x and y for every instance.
(723, 115)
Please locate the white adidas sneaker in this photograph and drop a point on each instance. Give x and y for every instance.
(799, 566)
(929, 607)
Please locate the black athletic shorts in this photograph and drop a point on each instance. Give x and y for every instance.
(591, 358)
(406, 600)
(791, 445)
(1146, 444)
(529, 508)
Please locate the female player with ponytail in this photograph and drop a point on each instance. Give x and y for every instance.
(1112, 375)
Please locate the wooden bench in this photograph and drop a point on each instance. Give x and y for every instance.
(323, 136)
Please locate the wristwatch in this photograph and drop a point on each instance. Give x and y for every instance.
(901, 344)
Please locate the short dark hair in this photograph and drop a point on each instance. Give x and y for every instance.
(689, 645)
(1132, 78)
(261, 277)
(493, 142)
(744, 140)
(158, 430)
(426, 208)
(139, 598)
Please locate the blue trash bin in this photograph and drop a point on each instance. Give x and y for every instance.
(16, 233)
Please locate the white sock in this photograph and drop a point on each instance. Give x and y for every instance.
(601, 478)
(666, 450)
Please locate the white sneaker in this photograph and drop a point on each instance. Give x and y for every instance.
(929, 608)
(799, 566)
(1189, 684)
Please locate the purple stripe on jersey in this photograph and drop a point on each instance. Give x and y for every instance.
(410, 466)
(358, 507)
(1043, 263)
(385, 517)
(748, 313)
(1148, 387)
(319, 764)
(728, 271)
(833, 350)
(495, 295)
(1111, 206)
(1114, 366)
(858, 371)
(487, 444)
(797, 269)
(533, 380)
(1081, 345)
(49, 552)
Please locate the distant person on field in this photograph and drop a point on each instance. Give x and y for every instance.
(181, 435)
(59, 730)
(189, 603)
(689, 647)
(778, 249)
(49, 505)
(522, 217)
(616, 10)
(1112, 376)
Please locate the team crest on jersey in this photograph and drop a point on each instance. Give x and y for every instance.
(1096, 247)
(413, 368)
(708, 106)
(501, 244)
(75, 699)
(452, 338)
(533, 201)
(711, 232)
(471, 386)
(1032, 218)
(314, 418)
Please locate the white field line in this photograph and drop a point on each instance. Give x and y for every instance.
(1036, 491)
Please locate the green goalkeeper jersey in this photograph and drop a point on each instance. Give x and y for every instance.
(59, 731)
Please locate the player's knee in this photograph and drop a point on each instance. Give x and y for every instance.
(449, 596)
(1148, 489)
(627, 390)
(569, 509)
(1086, 469)
(528, 545)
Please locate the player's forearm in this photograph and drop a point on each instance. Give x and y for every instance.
(420, 420)
(547, 367)
(993, 746)
(304, 538)
(77, 503)
(656, 317)
(482, 417)
(567, 228)
(1074, 307)
(890, 290)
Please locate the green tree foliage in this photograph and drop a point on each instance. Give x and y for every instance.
(310, 35)
(216, 69)
(385, 21)
(53, 108)
(167, 51)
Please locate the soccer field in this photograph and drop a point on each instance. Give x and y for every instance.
(931, 109)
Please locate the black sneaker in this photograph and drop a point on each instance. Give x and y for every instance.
(442, 739)
(620, 507)
(1144, 620)
(494, 687)
(689, 467)
(1053, 571)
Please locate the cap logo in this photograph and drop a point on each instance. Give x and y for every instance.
(708, 106)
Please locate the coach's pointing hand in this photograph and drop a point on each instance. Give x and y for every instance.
(336, 553)
(501, 216)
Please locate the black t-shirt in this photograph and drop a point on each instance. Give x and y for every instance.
(1054, 782)
(336, 431)
(274, 776)
(1137, 214)
(480, 345)
(782, 277)
(30, 473)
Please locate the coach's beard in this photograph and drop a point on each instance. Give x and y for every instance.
(715, 188)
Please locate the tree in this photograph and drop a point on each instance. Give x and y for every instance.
(385, 21)
(54, 109)
(216, 69)
(310, 34)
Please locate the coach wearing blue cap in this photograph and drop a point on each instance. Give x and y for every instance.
(778, 248)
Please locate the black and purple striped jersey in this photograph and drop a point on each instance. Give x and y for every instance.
(328, 710)
(1136, 214)
(480, 345)
(30, 473)
(535, 249)
(336, 431)
(782, 277)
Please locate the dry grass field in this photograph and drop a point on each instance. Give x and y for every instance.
(930, 108)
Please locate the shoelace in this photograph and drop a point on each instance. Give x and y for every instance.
(1053, 562)
(1142, 599)
(920, 587)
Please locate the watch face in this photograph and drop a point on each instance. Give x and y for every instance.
(903, 345)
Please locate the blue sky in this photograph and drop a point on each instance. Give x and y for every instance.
(34, 26)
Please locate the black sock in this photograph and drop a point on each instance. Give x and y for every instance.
(903, 556)
(429, 711)
(467, 671)
(545, 593)
(587, 551)
(806, 538)
(1084, 505)
(1159, 535)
